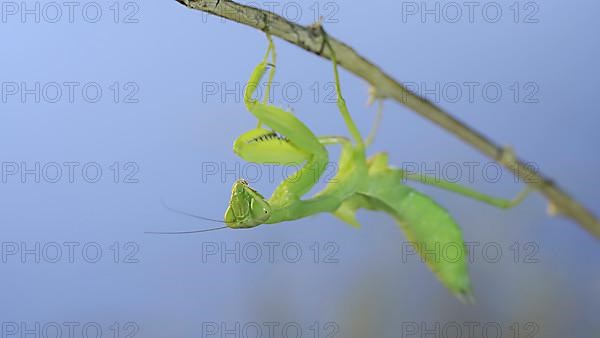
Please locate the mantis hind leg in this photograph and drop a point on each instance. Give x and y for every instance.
(341, 103)
(376, 124)
(502, 203)
(272, 66)
(257, 75)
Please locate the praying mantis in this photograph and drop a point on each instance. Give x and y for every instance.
(360, 182)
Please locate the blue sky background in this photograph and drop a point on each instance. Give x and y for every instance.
(169, 56)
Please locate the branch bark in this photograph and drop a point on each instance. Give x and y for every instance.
(311, 39)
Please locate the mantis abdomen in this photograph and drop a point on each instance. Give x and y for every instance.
(427, 225)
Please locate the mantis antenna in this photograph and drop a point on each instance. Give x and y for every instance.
(189, 215)
(184, 232)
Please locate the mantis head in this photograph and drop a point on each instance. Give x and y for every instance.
(247, 208)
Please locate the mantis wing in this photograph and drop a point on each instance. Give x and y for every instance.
(427, 225)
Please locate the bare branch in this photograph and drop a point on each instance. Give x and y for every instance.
(311, 39)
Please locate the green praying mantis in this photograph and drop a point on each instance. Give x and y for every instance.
(360, 182)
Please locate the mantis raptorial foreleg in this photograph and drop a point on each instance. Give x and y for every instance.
(290, 142)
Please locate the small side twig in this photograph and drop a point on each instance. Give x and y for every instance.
(311, 39)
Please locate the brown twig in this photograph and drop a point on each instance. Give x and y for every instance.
(311, 39)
